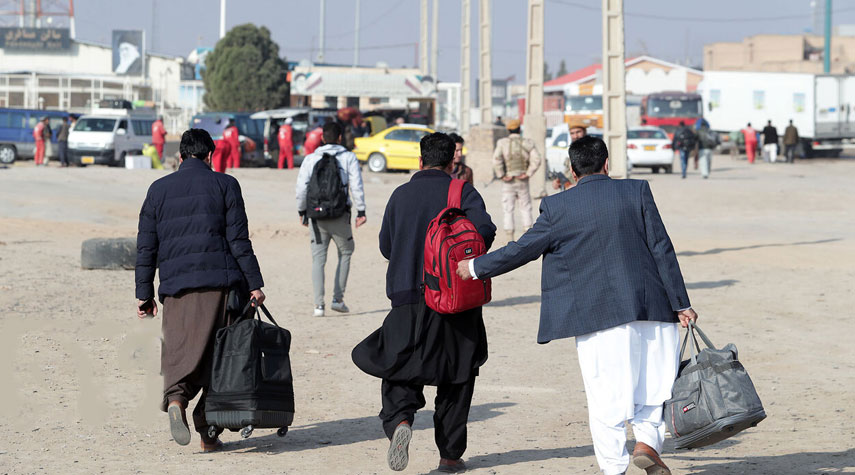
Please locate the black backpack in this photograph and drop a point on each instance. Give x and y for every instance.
(707, 138)
(326, 195)
(686, 139)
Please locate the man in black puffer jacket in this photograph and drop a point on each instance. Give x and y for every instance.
(193, 228)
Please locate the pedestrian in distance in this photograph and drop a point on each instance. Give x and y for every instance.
(193, 230)
(324, 205)
(791, 140)
(158, 136)
(286, 144)
(684, 142)
(416, 346)
(708, 140)
(232, 136)
(615, 285)
(39, 137)
(220, 159)
(515, 159)
(770, 143)
(62, 142)
(750, 136)
(313, 140)
(460, 170)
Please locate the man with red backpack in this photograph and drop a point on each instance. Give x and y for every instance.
(417, 346)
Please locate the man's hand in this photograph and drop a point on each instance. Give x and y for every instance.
(463, 270)
(142, 313)
(360, 220)
(258, 295)
(687, 315)
(507, 178)
(556, 184)
(522, 177)
(304, 221)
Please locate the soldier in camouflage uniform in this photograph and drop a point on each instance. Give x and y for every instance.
(514, 161)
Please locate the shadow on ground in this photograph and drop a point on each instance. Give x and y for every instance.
(510, 301)
(795, 464)
(719, 250)
(711, 284)
(343, 432)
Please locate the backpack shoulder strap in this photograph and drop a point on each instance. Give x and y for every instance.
(455, 193)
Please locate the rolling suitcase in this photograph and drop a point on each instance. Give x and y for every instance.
(713, 398)
(251, 382)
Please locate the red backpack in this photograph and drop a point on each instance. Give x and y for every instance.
(451, 238)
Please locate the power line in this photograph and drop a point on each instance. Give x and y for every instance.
(371, 23)
(648, 16)
(387, 46)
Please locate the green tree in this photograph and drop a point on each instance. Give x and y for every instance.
(562, 69)
(245, 72)
(546, 74)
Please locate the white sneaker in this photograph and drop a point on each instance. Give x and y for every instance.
(339, 307)
(319, 311)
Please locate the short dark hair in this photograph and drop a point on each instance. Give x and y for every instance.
(65, 118)
(682, 122)
(588, 155)
(437, 150)
(196, 143)
(456, 138)
(332, 132)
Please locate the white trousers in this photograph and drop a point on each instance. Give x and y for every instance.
(628, 372)
(771, 150)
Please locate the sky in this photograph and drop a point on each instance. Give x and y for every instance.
(672, 30)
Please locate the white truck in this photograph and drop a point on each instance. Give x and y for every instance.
(822, 107)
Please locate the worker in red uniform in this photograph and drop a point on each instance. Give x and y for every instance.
(313, 141)
(39, 136)
(286, 144)
(222, 150)
(158, 136)
(232, 136)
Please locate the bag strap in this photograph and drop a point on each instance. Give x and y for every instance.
(695, 347)
(257, 314)
(455, 193)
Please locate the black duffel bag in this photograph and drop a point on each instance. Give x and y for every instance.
(251, 382)
(713, 398)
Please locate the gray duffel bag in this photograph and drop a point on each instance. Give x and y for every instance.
(713, 398)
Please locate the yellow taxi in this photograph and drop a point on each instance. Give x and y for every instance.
(396, 148)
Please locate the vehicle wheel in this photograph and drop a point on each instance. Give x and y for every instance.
(654, 170)
(108, 253)
(282, 431)
(246, 432)
(377, 163)
(669, 169)
(8, 154)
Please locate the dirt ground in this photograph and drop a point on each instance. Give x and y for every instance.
(766, 250)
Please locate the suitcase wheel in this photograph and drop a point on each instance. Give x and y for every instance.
(282, 431)
(246, 431)
(212, 432)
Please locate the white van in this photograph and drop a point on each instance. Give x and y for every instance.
(106, 136)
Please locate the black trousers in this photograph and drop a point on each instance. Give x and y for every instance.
(62, 148)
(402, 400)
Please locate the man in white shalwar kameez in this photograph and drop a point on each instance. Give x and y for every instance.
(611, 279)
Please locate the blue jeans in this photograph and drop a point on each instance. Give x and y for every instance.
(684, 160)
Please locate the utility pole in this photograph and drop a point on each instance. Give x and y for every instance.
(434, 42)
(222, 18)
(423, 37)
(614, 87)
(534, 120)
(321, 41)
(826, 54)
(485, 81)
(465, 64)
(356, 38)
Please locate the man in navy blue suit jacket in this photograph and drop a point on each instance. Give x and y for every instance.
(611, 279)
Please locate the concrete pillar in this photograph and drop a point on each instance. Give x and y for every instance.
(423, 37)
(465, 64)
(434, 42)
(321, 27)
(485, 70)
(614, 87)
(534, 121)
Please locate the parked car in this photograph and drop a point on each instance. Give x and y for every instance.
(396, 148)
(250, 136)
(16, 132)
(303, 119)
(649, 147)
(107, 136)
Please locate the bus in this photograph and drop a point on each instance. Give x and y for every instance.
(668, 109)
